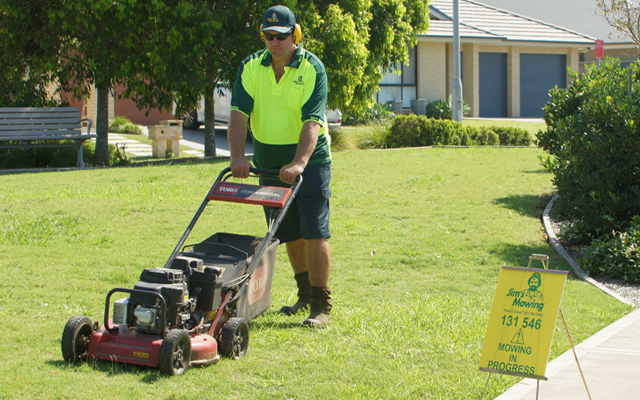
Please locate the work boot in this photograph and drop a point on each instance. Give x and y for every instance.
(320, 308)
(304, 295)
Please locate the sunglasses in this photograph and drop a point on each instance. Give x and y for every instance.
(280, 36)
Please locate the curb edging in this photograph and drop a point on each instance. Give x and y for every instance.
(577, 270)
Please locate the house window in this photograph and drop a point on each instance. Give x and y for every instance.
(401, 83)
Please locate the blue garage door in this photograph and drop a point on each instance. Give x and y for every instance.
(540, 73)
(493, 85)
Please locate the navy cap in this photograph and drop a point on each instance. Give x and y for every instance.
(279, 19)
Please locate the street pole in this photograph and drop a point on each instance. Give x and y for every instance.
(456, 89)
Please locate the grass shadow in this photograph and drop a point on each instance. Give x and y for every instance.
(537, 171)
(148, 374)
(280, 325)
(518, 256)
(132, 164)
(529, 205)
(269, 320)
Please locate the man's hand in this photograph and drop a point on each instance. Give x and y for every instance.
(237, 136)
(240, 167)
(306, 144)
(290, 172)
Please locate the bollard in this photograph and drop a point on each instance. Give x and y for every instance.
(165, 136)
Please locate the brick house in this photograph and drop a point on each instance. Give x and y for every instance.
(509, 61)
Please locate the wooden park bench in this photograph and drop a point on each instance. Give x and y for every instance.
(29, 127)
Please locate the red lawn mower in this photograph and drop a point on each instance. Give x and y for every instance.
(197, 307)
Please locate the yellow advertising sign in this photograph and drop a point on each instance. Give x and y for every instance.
(522, 321)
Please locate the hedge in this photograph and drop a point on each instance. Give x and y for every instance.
(415, 131)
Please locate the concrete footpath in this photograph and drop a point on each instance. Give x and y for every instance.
(610, 362)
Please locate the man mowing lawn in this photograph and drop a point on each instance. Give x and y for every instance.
(283, 88)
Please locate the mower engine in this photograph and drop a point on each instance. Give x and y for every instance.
(143, 311)
(189, 290)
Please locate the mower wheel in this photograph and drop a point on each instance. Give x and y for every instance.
(234, 340)
(75, 338)
(175, 353)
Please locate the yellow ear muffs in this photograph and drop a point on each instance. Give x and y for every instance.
(297, 34)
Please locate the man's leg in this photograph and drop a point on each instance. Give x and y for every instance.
(298, 259)
(319, 265)
(311, 263)
(318, 256)
(297, 255)
(311, 258)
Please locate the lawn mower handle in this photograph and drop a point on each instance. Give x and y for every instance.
(256, 171)
(224, 175)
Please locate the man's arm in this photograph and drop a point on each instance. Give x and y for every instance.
(306, 145)
(237, 137)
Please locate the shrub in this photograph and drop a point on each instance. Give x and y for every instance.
(374, 136)
(339, 140)
(617, 256)
(511, 136)
(442, 109)
(414, 131)
(378, 113)
(58, 157)
(593, 135)
(439, 109)
(405, 132)
(124, 125)
(441, 132)
(481, 136)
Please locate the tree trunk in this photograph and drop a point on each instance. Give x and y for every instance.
(209, 128)
(209, 116)
(102, 127)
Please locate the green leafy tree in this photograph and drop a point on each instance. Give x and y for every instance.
(28, 54)
(356, 40)
(71, 45)
(207, 40)
(106, 38)
(199, 50)
(167, 51)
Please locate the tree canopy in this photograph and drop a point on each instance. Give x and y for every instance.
(27, 51)
(178, 51)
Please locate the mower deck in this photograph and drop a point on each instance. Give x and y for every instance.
(134, 347)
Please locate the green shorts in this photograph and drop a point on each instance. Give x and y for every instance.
(308, 215)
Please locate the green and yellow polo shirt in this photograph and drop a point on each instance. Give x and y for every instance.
(277, 110)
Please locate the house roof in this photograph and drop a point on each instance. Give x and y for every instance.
(579, 15)
(480, 21)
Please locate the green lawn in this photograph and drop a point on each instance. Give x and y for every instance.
(419, 236)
